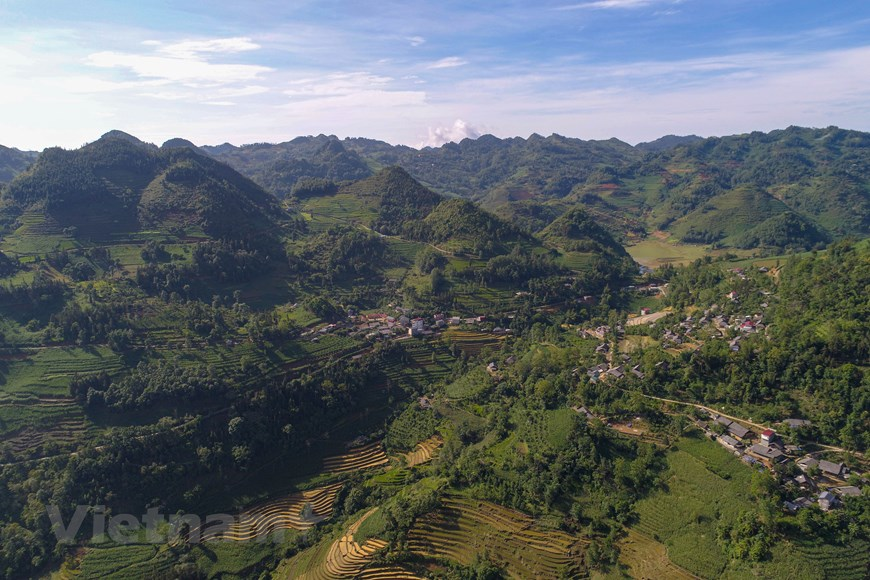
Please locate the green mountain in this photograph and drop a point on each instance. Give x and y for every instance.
(13, 162)
(277, 167)
(821, 175)
(493, 170)
(118, 184)
(396, 197)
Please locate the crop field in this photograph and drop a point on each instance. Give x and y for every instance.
(653, 252)
(365, 457)
(424, 451)
(424, 363)
(126, 561)
(576, 261)
(469, 385)
(462, 528)
(37, 235)
(48, 371)
(334, 559)
(706, 485)
(297, 511)
(473, 342)
(388, 573)
(646, 558)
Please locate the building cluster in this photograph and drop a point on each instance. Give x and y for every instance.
(820, 482)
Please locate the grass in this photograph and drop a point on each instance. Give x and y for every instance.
(48, 371)
(707, 485)
(653, 252)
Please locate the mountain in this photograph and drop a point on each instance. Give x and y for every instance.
(119, 184)
(13, 162)
(494, 171)
(820, 175)
(668, 142)
(277, 167)
(578, 231)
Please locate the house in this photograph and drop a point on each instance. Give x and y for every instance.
(724, 421)
(616, 372)
(828, 501)
(644, 311)
(804, 482)
(417, 327)
(847, 491)
(635, 370)
(769, 455)
(807, 463)
(454, 320)
(831, 468)
(732, 296)
(729, 442)
(492, 368)
(424, 403)
(582, 411)
(797, 423)
(768, 435)
(738, 430)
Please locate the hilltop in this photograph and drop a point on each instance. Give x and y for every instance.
(277, 167)
(119, 184)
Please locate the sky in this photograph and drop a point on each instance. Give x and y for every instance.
(421, 73)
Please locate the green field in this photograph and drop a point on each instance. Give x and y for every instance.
(653, 252)
(707, 485)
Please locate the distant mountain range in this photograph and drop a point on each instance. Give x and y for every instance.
(792, 188)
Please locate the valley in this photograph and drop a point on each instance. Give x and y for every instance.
(380, 362)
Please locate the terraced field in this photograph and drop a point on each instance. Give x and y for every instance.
(297, 511)
(365, 457)
(48, 371)
(463, 527)
(647, 558)
(388, 573)
(472, 342)
(342, 558)
(848, 562)
(424, 451)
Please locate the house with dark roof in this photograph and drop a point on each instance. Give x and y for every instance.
(738, 430)
(847, 491)
(831, 468)
(729, 443)
(769, 455)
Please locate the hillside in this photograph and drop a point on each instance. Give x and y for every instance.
(13, 162)
(118, 184)
(819, 174)
(277, 167)
(684, 186)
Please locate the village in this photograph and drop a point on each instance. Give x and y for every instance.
(804, 478)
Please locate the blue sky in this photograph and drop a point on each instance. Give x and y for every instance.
(425, 72)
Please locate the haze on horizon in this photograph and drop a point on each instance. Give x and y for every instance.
(419, 73)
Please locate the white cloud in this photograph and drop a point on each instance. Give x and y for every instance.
(416, 40)
(449, 62)
(454, 133)
(184, 70)
(337, 84)
(193, 48)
